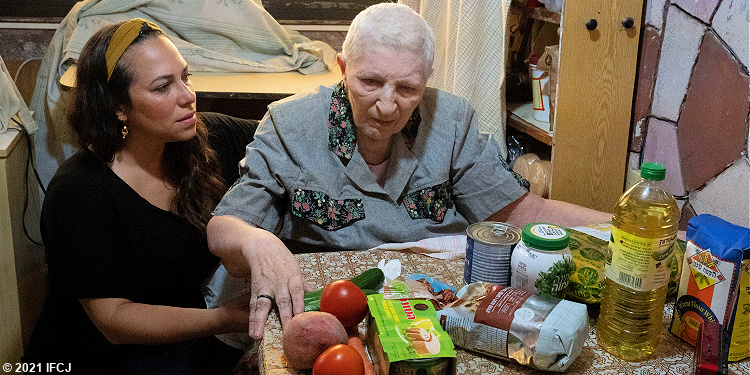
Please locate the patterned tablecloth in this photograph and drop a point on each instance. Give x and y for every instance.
(674, 356)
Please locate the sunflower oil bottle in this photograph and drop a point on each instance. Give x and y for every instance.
(644, 229)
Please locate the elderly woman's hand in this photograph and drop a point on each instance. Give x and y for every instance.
(275, 277)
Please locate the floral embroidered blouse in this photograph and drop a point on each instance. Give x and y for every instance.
(304, 179)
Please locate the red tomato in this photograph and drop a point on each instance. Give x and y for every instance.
(345, 301)
(339, 359)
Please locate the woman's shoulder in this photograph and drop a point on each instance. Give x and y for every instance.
(442, 108)
(310, 103)
(81, 174)
(439, 100)
(300, 117)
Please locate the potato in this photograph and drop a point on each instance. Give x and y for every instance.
(308, 335)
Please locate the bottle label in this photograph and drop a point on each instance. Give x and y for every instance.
(639, 263)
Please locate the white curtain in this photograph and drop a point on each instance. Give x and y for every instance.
(470, 44)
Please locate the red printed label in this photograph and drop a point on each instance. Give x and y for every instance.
(499, 306)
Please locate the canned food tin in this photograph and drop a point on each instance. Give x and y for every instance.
(542, 263)
(489, 245)
(420, 366)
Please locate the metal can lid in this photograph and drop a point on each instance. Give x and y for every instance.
(546, 237)
(494, 232)
(424, 362)
(427, 366)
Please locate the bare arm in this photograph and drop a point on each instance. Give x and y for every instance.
(531, 208)
(247, 250)
(122, 321)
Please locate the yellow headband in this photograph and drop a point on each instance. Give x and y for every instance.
(121, 39)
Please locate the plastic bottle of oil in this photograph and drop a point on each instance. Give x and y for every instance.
(644, 229)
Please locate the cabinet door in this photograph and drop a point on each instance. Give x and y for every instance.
(594, 101)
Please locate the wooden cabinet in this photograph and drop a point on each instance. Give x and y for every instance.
(595, 86)
(23, 275)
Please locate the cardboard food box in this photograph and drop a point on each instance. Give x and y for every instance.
(589, 247)
(739, 348)
(404, 337)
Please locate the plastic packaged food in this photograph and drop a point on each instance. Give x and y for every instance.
(545, 333)
(405, 334)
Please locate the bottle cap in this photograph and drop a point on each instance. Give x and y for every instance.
(653, 171)
(545, 236)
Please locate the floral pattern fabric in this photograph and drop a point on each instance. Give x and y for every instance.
(431, 203)
(342, 134)
(324, 211)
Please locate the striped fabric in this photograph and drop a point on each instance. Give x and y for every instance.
(470, 44)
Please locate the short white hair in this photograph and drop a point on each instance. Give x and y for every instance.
(390, 25)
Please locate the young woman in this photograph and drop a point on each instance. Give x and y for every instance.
(124, 220)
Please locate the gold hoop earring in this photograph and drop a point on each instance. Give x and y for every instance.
(124, 131)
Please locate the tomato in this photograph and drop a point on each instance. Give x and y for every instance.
(345, 301)
(339, 359)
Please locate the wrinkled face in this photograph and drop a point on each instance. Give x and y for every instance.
(384, 88)
(161, 94)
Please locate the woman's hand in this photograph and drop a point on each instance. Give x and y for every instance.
(234, 314)
(275, 277)
(249, 251)
(122, 321)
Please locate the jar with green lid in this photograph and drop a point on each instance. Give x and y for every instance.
(542, 263)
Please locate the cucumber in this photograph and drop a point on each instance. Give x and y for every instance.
(312, 303)
(369, 281)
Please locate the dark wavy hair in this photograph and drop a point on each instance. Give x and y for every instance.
(191, 166)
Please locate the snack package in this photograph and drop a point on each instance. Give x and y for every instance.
(509, 323)
(739, 348)
(406, 288)
(405, 334)
(420, 286)
(589, 248)
(443, 293)
(709, 285)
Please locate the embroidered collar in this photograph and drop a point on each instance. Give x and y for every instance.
(342, 134)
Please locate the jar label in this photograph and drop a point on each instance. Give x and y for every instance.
(638, 263)
(548, 231)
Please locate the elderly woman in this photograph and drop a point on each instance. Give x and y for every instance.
(377, 158)
(124, 220)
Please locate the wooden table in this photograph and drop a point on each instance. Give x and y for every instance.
(674, 356)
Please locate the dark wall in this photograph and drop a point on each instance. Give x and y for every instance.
(304, 11)
(35, 8)
(312, 11)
